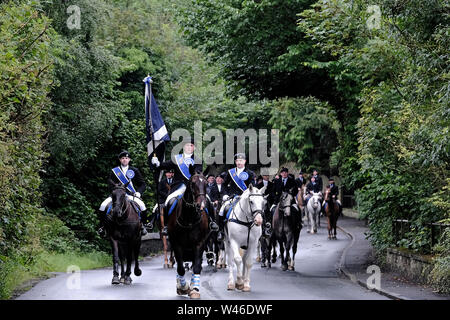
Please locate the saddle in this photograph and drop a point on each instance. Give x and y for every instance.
(134, 204)
(229, 205)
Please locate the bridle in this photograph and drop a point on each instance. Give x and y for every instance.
(124, 206)
(192, 204)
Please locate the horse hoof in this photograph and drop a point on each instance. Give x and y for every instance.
(122, 280)
(274, 260)
(128, 281)
(115, 280)
(246, 289)
(284, 267)
(239, 286)
(263, 265)
(194, 294)
(269, 265)
(137, 272)
(291, 268)
(182, 292)
(258, 259)
(230, 286)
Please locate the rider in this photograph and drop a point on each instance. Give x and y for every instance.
(237, 180)
(122, 175)
(311, 187)
(270, 201)
(164, 187)
(300, 180)
(318, 179)
(284, 183)
(334, 192)
(180, 164)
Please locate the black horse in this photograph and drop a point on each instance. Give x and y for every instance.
(212, 244)
(188, 229)
(286, 230)
(124, 229)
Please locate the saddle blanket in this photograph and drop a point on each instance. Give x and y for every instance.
(108, 201)
(228, 206)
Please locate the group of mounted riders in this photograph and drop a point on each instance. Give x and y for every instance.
(223, 190)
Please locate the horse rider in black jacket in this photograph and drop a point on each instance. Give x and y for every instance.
(180, 164)
(136, 187)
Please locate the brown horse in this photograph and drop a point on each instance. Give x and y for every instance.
(124, 228)
(332, 213)
(188, 229)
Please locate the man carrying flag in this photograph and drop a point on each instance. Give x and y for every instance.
(157, 136)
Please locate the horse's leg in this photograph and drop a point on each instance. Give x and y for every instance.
(196, 270)
(165, 246)
(258, 252)
(137, 249)
(283, 260)
(128, 254)
(289, 244)
(115, 254)
(248, 262)
(231, 248)
(263, 245)
(329, 227)
(122, 262)
(182, 285)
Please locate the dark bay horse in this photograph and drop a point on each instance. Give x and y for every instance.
(213, 246)
(332, 213)
(188, 229)
(124, 228)
(286, 230)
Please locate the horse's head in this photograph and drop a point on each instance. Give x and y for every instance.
(256, 203)
(197, 184)
(119, 200)
(286, 200)
(315, 200)
(327, 194)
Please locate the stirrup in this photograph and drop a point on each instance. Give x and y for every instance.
(164, 231)
(143, 230)
(149, 226)
(213, 226)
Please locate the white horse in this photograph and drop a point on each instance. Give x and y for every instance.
(313, 209)
(243, 231)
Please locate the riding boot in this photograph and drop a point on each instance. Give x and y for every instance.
(164, 230)
(220, 234)
(143, 222)
(102, 227)
(212, 224)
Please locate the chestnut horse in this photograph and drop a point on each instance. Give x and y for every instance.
(188, 229)
(332, 213)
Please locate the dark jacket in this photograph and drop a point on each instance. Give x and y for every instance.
(299, 182)
(210, 191)
(164, 188)
(217, 195)
(270, 191)
(280, 187)
(313, 187)
(232, 188)
(334, 190)
(319, 182)
(138, 181)
(178, 177)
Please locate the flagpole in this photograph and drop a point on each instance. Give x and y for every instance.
(148, 81)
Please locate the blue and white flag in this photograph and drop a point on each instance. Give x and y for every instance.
(154, 124)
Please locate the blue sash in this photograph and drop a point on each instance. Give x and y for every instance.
(183, 165)
(122, 178)
(237, 179)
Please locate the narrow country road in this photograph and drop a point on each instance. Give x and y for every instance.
(316, 277)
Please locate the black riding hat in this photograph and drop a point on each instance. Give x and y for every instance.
(240, 156)
(124, 153)
(284, 169)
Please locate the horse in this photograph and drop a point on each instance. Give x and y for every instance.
(124, 229)
(332, 214)
(286, 230)
(188, 230)
(242, 231)
(313, 209)
(212, 244)
(264, 241)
